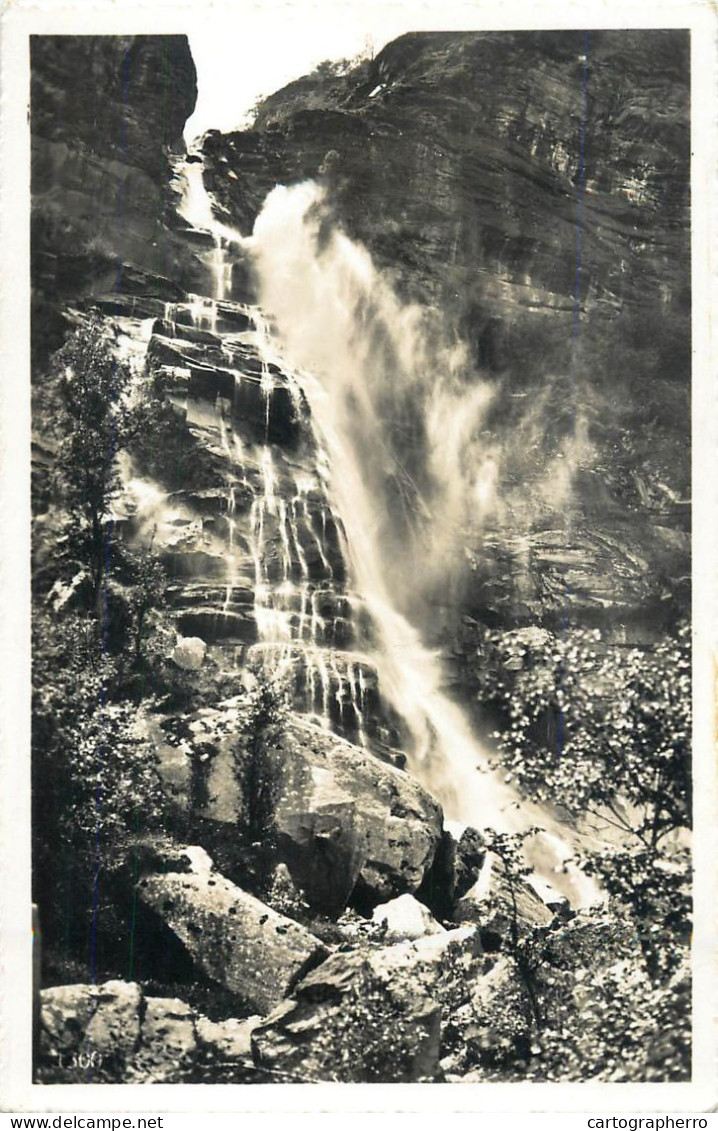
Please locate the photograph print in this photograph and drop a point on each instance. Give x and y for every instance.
(361, 559)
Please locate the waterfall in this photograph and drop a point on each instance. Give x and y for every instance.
(399, 414)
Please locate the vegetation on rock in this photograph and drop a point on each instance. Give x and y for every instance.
(604, 731)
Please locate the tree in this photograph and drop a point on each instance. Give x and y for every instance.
(146, 591)
(260, 727)
(597, 727)
(100, 407)
(606, 731)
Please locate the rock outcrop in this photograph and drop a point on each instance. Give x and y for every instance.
(232, 937)
(370, 1016)
(107, 114)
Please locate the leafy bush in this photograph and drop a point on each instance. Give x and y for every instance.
(605, 730)
(591, 726)
(604, 1018)
(99, 409)
(95, 781)
(260, 725)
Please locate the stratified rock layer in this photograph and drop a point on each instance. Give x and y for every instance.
(107, 112)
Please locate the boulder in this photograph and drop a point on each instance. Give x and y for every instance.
(347, 822)
(169, 1041)
(469, 858)
(371, 1015)
(406, 918)
(232, 937)
(321, 839)
(112, 1033)
(350, 1026)
(89, 1033)
(458, 862)
(189, 653)
(114, 1028)
(65, 1013)
(230, 1039)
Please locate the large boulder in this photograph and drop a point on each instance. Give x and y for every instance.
(114, 1028)
(346, 824)
(405, 918)
(113, 1033)
(232, 937)
(345, 820)
(371, 1015)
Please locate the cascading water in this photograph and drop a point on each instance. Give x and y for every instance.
(300, 608)
(398, 418)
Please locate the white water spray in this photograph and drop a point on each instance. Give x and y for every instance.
(364, 356)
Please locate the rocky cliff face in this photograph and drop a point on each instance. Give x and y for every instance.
(107, 114)
(534, 188)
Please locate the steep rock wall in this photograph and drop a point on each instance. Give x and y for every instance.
(107, 114)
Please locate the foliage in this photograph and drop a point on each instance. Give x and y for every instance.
(372, 1036)
(378, 1038)
(606, 730)
(99, 409)
(90, 758)
(95, 780)
(594, 727)
(654, 889)
(605, 995)
(601, 1016)
(146, 592)
(337, 68)
(316, 90)
(260, 726)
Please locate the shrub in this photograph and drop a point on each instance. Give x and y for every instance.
(95, 781)
(591, 726)
(260, 725)
(100, 408)
(605, 730)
